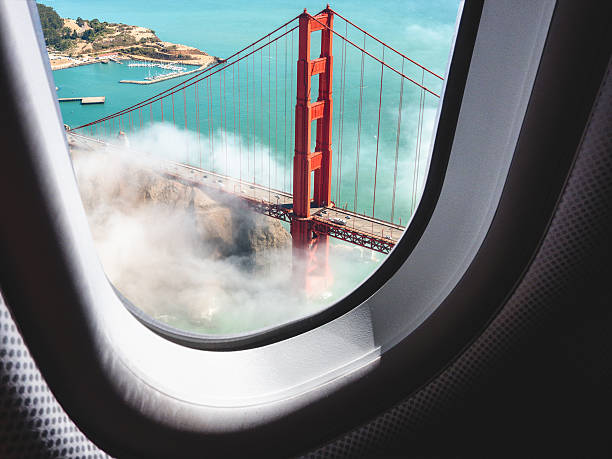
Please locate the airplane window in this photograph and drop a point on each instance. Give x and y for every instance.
(236, 177)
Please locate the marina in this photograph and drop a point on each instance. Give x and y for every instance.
(177, 71)
(149, 64)
(84, 100)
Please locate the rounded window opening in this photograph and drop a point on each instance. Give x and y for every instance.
(238, 178)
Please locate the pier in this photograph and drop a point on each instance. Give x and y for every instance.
(84, 100)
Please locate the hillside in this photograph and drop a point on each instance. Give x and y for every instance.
(89, 38)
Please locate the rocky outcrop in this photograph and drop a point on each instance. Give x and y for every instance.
(223, 227)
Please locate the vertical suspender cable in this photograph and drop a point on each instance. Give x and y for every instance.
(173, 120)
(275, 112)
(185, 110)
(416, 149)
(233, 108)
(397, 140)
(254, 128)
(420, 139)
(359, 128)
(185, 107)
(269, 118)
(341, 130)
(261, 124)
(210, 159)
(197, 106)
(382, 69)
(161, 104)
(239, 125)
(285, 118)
(225, 110)
(212, 122)
(415, 175)
(248, 126)
(292, 113)
(223, 117)
(336, 197)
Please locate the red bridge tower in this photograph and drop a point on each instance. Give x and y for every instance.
(319, 162)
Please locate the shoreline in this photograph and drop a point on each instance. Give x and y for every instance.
(198, 58)
(123, 57)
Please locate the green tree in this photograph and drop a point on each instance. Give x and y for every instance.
(88, 35)
(60, 37)
(51, 24)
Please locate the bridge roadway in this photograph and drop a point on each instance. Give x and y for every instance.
(372, 233)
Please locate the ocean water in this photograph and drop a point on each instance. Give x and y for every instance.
(422, 30)
(257, 144)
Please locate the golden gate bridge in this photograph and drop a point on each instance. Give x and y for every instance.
(305, 195)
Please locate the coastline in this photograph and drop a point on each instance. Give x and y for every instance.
(118, 57)
(84, 42)
(66, 62)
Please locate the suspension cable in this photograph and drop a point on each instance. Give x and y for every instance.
(292, 113)
(248, 127)
(239, 126)
(184, 83)
(359, 129)
(341, 129)
(397, 140)
(197, 107)
(269, 120)
(373, 57)
(254, 127)
(384, 44)
(233, 111)
(275, 113)
(415, 174)
(285, 123)
(382, 70)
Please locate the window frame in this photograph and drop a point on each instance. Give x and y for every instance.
(72, 319)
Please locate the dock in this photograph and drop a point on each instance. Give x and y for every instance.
(84, 100)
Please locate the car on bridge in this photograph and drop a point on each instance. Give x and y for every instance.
(338, 221)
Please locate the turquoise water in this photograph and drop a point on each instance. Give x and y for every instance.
(422, 30)
(257, 144)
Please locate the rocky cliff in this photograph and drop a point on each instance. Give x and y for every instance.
(222, 228)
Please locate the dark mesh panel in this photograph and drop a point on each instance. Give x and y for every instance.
(32, 423)
(580, 224)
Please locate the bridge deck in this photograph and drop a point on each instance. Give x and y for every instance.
(340, 223)
(341, 220)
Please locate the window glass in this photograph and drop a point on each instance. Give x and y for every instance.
(235, 175)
